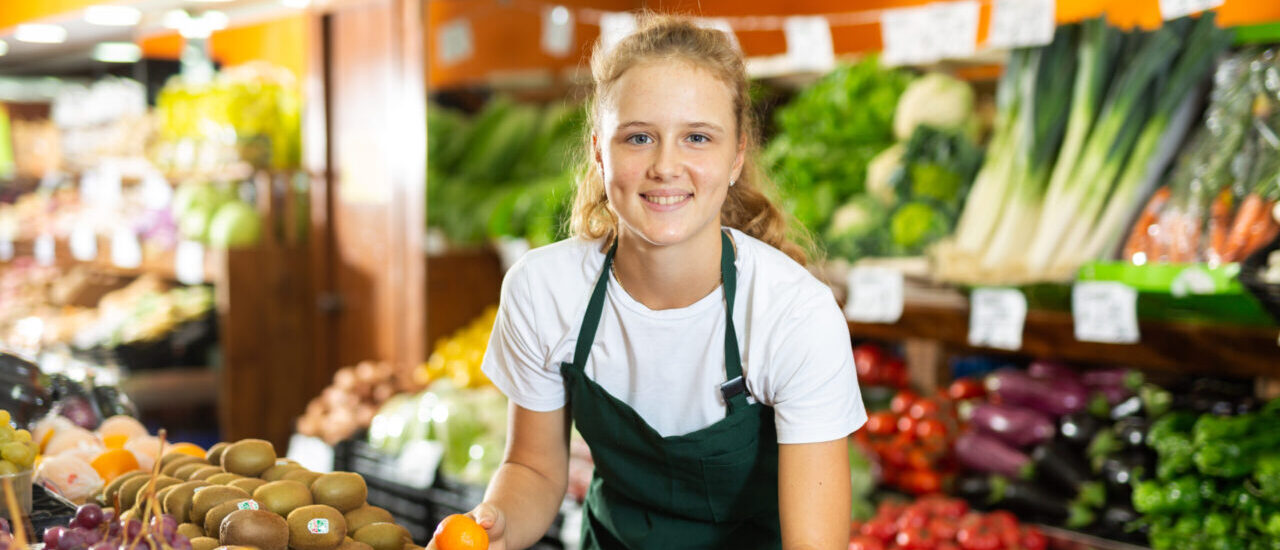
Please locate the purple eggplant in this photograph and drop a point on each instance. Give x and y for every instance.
(1017, 426)
(1114, 378)
(1057, 398)
(980, 452)
(1051, 371)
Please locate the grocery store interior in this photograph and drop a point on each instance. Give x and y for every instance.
(260, 244)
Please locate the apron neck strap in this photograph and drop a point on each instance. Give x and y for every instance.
(729, 278)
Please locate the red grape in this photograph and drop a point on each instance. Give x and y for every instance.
(4, 526)
(103, 546)
(52, 536)
(180, 543)
(133, 529)
(88, 516)
(165, 526)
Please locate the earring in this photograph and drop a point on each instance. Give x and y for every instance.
(731, 182)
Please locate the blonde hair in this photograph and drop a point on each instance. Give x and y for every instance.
(747, 206)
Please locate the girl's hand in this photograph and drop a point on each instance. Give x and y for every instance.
(491, 519)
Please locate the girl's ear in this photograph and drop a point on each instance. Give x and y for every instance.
(740, 159)
(596, 155)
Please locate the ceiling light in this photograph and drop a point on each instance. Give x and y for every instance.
(215, 20)
(296, 4)
(112, 16)
(117, 52)
(41, 33)
(4, 47)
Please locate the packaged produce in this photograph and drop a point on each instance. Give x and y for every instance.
(349, 405)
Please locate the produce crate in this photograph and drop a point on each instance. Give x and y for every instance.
(187, 345)
(417, 509)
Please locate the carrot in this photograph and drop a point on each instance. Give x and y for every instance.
(1140, 239)
(1267, 229)
(1252, 214)
(1219, 224)
(1183, 238)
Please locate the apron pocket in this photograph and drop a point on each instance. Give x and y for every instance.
(741, 484)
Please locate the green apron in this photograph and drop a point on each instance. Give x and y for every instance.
(713, 488)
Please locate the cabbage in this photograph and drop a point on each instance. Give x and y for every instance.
(937, 100)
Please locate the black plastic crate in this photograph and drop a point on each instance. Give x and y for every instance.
(1251, 278)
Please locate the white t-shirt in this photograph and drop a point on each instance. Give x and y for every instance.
(668, 364)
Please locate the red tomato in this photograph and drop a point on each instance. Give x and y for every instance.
(943, 528)
(920, 482)
(915, 539)
(976, 536)
(882, 529)
(882, 423)
(907, 426)
(923, 408)
(917, 459)
(867, 359)
(913, 518)
(1003, 520)
(1033, 539)
(864, 542)
(966, 388)
(894, 373)
(902, 401)
(953, 508)
(947, 545)
(930, 428)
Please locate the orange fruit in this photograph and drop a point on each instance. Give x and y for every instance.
(113, 463)
(115, 441)
(459, 532)
(189, 449)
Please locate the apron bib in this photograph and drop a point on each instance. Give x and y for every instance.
(713, 488)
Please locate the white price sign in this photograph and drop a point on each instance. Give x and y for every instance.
(126, 251)
(188, 263)
(809, 45)
(456, 43)
(1173, 9)
(6, 250)
(997, 317)
(1021, 23)
(1106, 312)
(557, 30)
(614, 26)
(928, 33)
(875, 295)
(84, 243)
(418, 463)
(45, 250)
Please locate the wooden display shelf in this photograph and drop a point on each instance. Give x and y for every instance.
(1175, 347)
(154, 261)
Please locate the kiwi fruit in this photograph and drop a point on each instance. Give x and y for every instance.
(162, 483)
(207, 498)
(131, 490)
(176, 461)
(178, 502)
(342, 490)
(277, 472)
(213, 520)
(316, 527)
(109, 492)
(249, 457)
(258, 528)
(184, 471)
(171, 457)
(249, 484)
(190, 530)
(283, 496)
(214, 454)
(224, 478)
(307, 477)
(352, 544)
(203, 474)
(204, 543)
(127, 515)
(383, 536)
(234, 547)
(365, 515)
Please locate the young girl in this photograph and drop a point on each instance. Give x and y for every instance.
(708, 371)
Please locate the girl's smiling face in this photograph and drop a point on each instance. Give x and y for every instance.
(667, 144)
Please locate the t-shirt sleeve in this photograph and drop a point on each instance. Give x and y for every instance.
(817, 397)
(516, 360)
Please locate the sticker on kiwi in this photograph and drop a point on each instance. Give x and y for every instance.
(198, 489)
(318, 526)
(248, 505)
(282, 462)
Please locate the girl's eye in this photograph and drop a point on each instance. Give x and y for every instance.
(699, 138)
(639, 139)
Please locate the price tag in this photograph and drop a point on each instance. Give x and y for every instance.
(6, 250)
(1173, 9)
(809, 46)
(928, 33)
(84, 243)
(418, 463)
(997, 317)
(1105, 311)
(875, 295)
(188, 263)
(720, 24)
(614, 26)
(455, 41)
(311, 452)
(1021, 23)
(45, 250)
(557, 31)
(126, 251)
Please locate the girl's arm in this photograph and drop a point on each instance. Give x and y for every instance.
(814, 495)
(525, 493)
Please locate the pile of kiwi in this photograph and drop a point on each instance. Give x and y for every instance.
(242, 495)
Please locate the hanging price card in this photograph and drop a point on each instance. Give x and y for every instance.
(418, 462)
(1105, 311)
(1173, 9)
(455, 41)
(1021, 23)
(614, 26)
(126, 251)
(188, 263)
(997, 317)
(929, 33)
(557, 30)
(84, 243)
(875, 295)
(6, 250)
(45, 250)
(809, 45)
